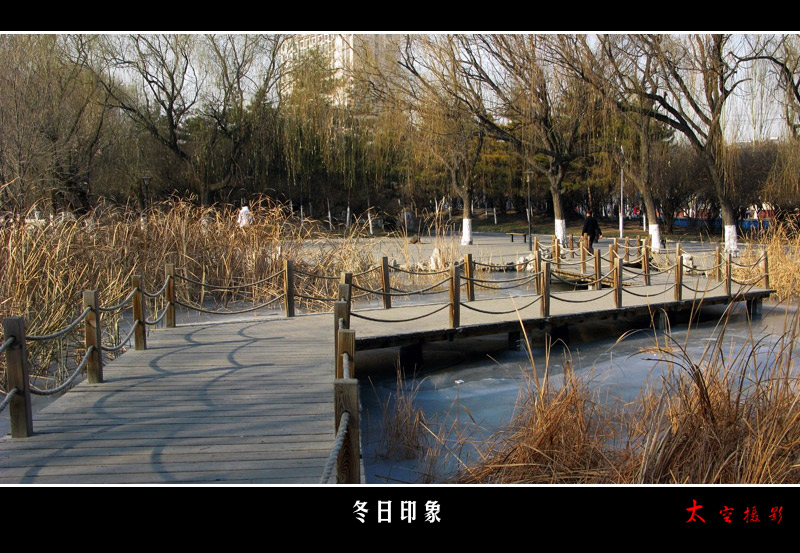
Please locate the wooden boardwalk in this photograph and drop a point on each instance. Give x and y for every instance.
(227, 402)
(251, 401)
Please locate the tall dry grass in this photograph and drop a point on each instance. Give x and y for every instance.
(47, 265)
(781, 242)
(729, 416)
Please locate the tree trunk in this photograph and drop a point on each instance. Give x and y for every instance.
(466, 225)
(650, 211)
(556, 177)
(729, 223)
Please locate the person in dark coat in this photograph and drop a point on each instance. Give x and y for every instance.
(592, 229)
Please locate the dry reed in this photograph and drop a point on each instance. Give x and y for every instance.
(730, 416)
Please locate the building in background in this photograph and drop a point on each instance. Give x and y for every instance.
(346, 55)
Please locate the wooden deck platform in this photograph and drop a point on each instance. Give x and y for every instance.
(510, 312)
(251, 401)
(226, 402)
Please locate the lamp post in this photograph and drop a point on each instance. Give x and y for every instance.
(621, 188)
(530, 235)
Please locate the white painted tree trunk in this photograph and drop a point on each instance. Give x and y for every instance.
(731, 239)
(466, 232)
(655, 238)
(561, 231)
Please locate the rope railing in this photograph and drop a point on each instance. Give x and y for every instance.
(7, 400)
(417, 273)
(345, 455)
(159, 318)
(399, 292)
(125, 340)
(406, 320)
(508, 312)
(594, 298)
(504, 267)
(15, 349)
(121, 304)
(228, 288)
(707, 289)
(6, 344)
(159, 292)
(228, 312)
(69, 328)
(64, 385)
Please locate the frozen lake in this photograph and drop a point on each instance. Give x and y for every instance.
(467, 390)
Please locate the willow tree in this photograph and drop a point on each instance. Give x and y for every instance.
(53, 119)
(781, 55)
(521, 97)
(444, 130)
(315, 125)
(687, 84)
(626, 82)
(238, 105)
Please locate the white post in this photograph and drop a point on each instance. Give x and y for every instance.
(621, 197)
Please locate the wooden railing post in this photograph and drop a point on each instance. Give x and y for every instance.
(386, 283)
(140, 333)
(618, 283)
(679, 275)
(545, 301)
(346, 345)
(571, 246)
(169, 273)
(348, 463)
(598, 270)
(345, 295)
(469, 274)
(288, 287)
(728, 274)
(556, 252)
(646, 262)
(92, 337)
(717, 274)
(765, 269)
(455, 297)
(583, 254)
(19, 409)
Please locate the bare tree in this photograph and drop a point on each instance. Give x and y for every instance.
(156, 81)
(688, 83)
(52, 117)
(446, 128)
(521, 97)
(616, 71)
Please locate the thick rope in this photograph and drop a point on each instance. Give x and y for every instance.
(63, 331)
(353, 314)
(67, 382)
(337, 447)
(7, 399)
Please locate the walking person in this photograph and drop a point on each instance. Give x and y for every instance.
(592, 229)
(245, 216)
